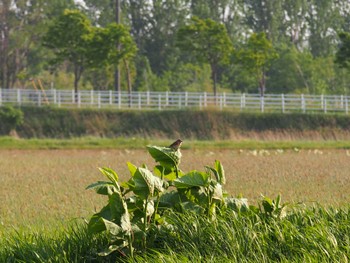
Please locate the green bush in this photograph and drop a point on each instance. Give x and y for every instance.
(10, 118)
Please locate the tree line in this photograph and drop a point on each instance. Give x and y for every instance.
(256, 46)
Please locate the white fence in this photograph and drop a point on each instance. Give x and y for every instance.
(177, 100)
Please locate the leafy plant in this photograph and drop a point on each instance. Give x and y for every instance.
(149, 199)
(140, 203)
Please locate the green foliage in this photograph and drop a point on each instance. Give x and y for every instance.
(208, 42)
(10, 118)
(256, 56)
(142, 203)
(343, 53)
(72, 38)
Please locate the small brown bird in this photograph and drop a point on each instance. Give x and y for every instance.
(176, 145)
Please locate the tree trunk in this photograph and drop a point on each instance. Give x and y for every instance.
(4, 43)
(128, 79)
(78, 70)
(214, 79)
(117, 72)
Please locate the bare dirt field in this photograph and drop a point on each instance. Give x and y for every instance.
(43, 186)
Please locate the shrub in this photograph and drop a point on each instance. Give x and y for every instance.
(10, 118)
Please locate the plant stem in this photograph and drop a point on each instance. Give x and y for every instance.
(131, 248)
(145, 223)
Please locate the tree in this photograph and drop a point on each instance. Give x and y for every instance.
(256, 56)
(72, 38)
(342, 57)
(69, 37)
(209, 42)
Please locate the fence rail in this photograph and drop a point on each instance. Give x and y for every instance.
(177, 100)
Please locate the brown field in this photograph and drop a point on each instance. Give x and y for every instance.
(41, 187)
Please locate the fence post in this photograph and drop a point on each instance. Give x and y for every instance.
(159, 102)
(224, 98)
(148, 97)
(0, 96)
(139, 100)
(342, 101)
(79, 99)
(205, 99)
(110, 97)
(283, 103)
(322, 102)
(99, 100)
(119, 99)
(346, 105)
(221, 101)
(166, 98)
(186, 98)
(180, 100)
(302, 103)
(92, 97)
(325, 106)
(39, 98)
(59, 99)
(200, 102)
(262, 106)
(19, 96)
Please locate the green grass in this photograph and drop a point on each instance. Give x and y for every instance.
(139, 143)
(306, 234)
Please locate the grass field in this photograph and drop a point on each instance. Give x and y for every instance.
(45, 187)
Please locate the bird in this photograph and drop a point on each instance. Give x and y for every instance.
(175, 145)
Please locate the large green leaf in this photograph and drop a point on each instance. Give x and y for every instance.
(145, 183)
(96, 223)
(167, 157)
(119, 212)
(169, 199)
(192, 179)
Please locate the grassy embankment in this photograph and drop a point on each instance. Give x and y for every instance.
(47, 122)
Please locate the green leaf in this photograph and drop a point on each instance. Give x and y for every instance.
(119, 212)
(167, 173)
(220, 172)
(110, 174)
(96, 223)
(132, 168)
(217, 192)
(169, 199)
(110, 250)
(103, 188)
(167, 157)
(145, 183)
(112, 228)
(237, 204)
(192, 179)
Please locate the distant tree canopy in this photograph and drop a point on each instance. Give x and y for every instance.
(343, 53)
(72, 38)
(256, 56)
(159, 51)
(208, 42)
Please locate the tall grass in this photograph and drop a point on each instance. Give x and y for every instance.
(306, 234)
